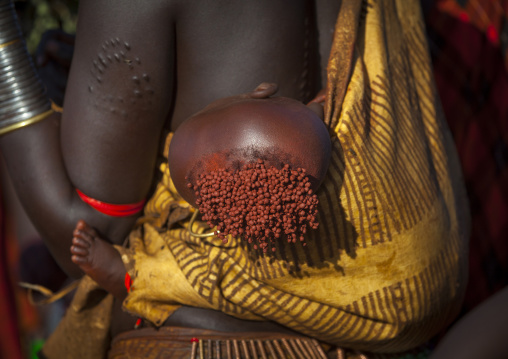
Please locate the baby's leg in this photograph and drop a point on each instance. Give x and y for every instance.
(98, 259)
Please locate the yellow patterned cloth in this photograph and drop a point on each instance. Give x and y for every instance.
(386, 269)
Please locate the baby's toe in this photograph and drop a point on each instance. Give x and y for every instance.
(80, 242)
(79, 251)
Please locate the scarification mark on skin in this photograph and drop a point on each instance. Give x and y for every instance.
(115, 60)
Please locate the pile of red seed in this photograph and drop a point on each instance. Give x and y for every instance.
(259, 204)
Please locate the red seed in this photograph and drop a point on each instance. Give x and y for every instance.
(260, 214)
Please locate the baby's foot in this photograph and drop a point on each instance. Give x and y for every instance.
(85, 245)
(98, 259)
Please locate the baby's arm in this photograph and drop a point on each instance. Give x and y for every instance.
(98, 259)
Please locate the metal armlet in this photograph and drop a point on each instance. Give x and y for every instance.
(23, 98)
(27, 122)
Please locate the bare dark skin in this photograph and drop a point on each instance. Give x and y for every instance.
(140, 67)
(98, 259)
(481, 333)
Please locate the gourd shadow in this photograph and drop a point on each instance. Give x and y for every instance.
(323, 247)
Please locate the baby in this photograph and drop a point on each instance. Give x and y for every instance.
(251, 164)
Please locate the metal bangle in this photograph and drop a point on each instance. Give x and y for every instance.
(28, 122)
(23, 96)
(12, 42)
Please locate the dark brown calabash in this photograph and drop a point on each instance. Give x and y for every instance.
(231, 133)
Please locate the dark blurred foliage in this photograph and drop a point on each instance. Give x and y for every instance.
(38, 16)
(49, 27)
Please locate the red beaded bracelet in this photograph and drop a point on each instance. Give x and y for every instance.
(115, 210)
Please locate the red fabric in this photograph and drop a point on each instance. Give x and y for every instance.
(10, 346)
(115, 210)
(488, 16)
(472, 81)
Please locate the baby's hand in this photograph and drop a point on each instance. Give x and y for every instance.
(317, 104)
